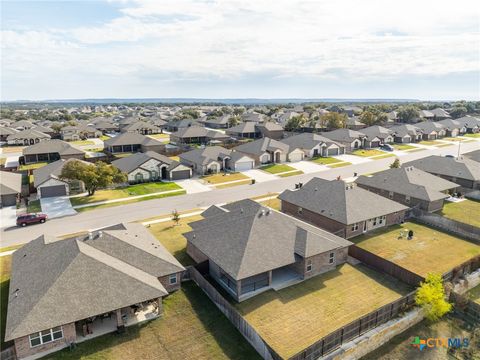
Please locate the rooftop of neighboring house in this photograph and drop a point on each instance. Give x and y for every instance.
(376, 131)
(469, 121)
(439, 112)
(406, 129)
(52, 146)
(10, 183)
(261, 146)
(140, 125)
(354, 121)
(451, 124)
(246, 239)
(410, 181)
(344, 135)
(28, 134)
(55, 282)
(52, 170)
(131, 139)
(430, 126)
(206, 155)
(307, 141)
(473, 155)
(245, 127)
(340, 201)
(463, 168)
(132, 162)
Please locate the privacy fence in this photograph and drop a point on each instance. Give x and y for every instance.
(468, 308)
(466, 267)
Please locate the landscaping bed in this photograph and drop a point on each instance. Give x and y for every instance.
(467, 211)
(429, 251)
(34, 206)
(277, 168)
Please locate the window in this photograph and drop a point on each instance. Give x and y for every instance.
(46, 336)
(138, 177)
(354, 227)
(309, 265)
(374, 221)
(172, 279)
(331, 259)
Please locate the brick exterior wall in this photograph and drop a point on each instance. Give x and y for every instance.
(320, 262)
(23, 349)
(165, 280)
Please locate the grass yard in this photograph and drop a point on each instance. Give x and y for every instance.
(221, 178)
(345, 163)
(171, 236)
(191, 327)
(459, 139)
(467, 211)
(82, 142)
(475, 294)
(429, 250)
(417, 149)
(383, 156)
(243, 182)
(325, 160)
(34, 206)
(12, 149)
(293, 173)
(32, 166)
(104, 137)
(367, 152)
(444, 145)
(176, 158)
(125, 192)
(404, 147)
(5, 263)
(475, 136)
(272, 203)
(277, 168)
(294, 318)
(160, 136)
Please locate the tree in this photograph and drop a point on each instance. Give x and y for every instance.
(431, 297)
(395, 164)
(175, 217)
(368, 118)
(407, 113)
(295, 123)
(233, 121)
(94, 176)
(458, 112)
(334, 120)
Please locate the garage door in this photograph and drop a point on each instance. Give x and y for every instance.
(181, 174)
(50, 191)
(295, 157)
(375, 144)
(243, 166)
(331, 152)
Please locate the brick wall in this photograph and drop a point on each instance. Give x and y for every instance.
(23, 349)
(165, 280)
(320, 262)
(195, 254)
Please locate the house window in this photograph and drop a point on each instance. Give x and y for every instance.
(374, 221)
(407, 199)
(390, 194)
(331, 259)
(300, 210)
(172, 279)
(309, 265)
(46, 336)
(355, 227)
(138, 177)
(381, 219)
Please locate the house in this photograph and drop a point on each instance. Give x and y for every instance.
(314, 145)
(132, 142)
(197, 135)
(351, 139)
(176, 125)
(141, 127)
(151, 166)
(251, 249)
(51, 150)
(464, 172)
(253, 130)
(68, 291)
(431, 130)
(48, 182)
(44, 129)
(409, 186)
(453, 128)
(440, 114)
(270, 129)
(5, 132)
(406, 133)
(27, 137)
(472, 124)
(79, 132)
(106, 126)
(378, 135)
(252, 116)
(344, 209)
(10, 188)
(22, 125)
(220, 122)
(426, 114)
(267, 150)
(214, 159)
(354, 123)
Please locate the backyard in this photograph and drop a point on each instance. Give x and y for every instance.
(277, 168)
(32, 166)
(429, 250)
(466, 211)
(296, 317)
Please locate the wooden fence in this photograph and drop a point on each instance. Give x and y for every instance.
(384, 265)
(466, 267)
(466, 307)
(346, 333)
(8, 353)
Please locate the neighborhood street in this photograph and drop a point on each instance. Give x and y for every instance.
(142, 210)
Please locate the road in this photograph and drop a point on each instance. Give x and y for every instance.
(94, 219)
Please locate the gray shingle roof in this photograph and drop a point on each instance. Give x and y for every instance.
(474, 155)
(246, 127)
(206, 155)
(52, 170)
(462, 168)
(430, 126)
(28, 134)
(250, 239)
(409, 181)
(132, 162)
(344, 135)
(131, 139)
(52, 146)
(406, 129)
(307, 141)
(10, 183)
(377, 131)
(260, 146)
(342, 202)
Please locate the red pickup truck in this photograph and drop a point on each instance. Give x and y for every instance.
(27, 219)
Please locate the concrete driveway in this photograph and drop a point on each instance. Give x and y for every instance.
(259, 176)
(308, 167)
(8, 216)
(58, 206)
(352, 158)
(193, 186)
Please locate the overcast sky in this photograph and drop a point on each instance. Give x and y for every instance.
(416, 49)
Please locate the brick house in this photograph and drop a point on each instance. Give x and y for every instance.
(68, 291)
(50, 150)
(341, 208)
(251, 249)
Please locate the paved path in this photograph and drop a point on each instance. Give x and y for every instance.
(56, 207)
(147, 209)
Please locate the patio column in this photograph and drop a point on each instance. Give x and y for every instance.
(239, 288)
(159, 306)
(118, 314)
(270, 278)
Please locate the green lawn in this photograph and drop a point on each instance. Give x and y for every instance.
(34, 206)
(367, 152)
(325, 160)
(160, 136)
(9, 248)
(104, 137)
(83, 142)
(403, 147)
(221, 178)
(5, 263)
(444, 145)
(275, 203)
(170, 235)
(296, 317)
(345, 163)
(276, 168)
(125, 192)
(383, 156)
(32, 166)
(429, 251)
(467, 211)
(191, 327)
(477, 135)
(293, 173)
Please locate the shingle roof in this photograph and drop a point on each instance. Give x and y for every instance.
(460, 168)
(52, 170)
(131, 139)
(10, 183)
(473, 155)
(52, 146)
(409, 181)
(206, 155)
(132, 162)
(469, 121)
(260, 146)
(344, 135)
(28, 134)
(250, 239)
(246, 127)
(451, 124)
(377, 131)
(141, 125)
(406, 129)
(429, 126)
(342, 202)
(307, 141)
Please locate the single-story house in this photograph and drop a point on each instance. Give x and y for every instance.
(253, 130)
(22, 125)
(132, 142)
(67, 291)
(341, 208)
(5, 132)
(406, 133)
(253, 116)
(220, 122)
(50, 150)
(453, 128)
(314, 145)
(197, 135)
(48, 182)
(10, 188)
(351, 139)
(142, 127)
(270, 129)
(44, 129)
(27, 137)
(409, 186)
(214, 159)
(426, 114)
(354, 123)
(440, 114)
(267, 150)
(431, 130)
(464, 172)
(79, 132)
(151, 166)
(176, 125)
(106, 126)
(472, 124)
(378, 135)
(251, 249)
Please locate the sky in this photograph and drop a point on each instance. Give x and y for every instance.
(402, 49)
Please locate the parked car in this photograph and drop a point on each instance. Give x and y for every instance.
(387, 147)
(450, 156)
(27, 219)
